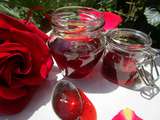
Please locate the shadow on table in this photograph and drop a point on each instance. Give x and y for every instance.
(94, 82)
(41, 98)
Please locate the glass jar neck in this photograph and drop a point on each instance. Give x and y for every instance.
(76, 20)
(129, 40)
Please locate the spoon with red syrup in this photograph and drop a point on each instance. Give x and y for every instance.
(70, 103)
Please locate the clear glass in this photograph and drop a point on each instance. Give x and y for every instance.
(77, 41)
(127, 55)
(66, 101)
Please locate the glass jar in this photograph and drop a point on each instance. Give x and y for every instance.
(77, 42)
(127, 57)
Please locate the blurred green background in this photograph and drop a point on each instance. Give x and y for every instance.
(143, 15)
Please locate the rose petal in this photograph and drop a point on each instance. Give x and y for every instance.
(9, 75)
(45, 68)
(49, 64)
(12, 93)
(35, 44)
(7, 22)
(9, 51)
(36, 31)
(6, 75)
(39, 54)
(112, 20)
(17, 62)
(14, 106)
(4, 37)
(126, 114)
(4, 55)
(33, 80)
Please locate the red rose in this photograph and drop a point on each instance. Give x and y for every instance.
(24, 63)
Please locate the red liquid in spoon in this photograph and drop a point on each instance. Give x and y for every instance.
(72, 104)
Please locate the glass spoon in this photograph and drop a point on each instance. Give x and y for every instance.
(66, 101)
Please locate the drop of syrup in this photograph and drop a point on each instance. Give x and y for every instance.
(89, 111)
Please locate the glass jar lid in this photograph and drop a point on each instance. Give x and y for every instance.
(129, 40)
(77, 18)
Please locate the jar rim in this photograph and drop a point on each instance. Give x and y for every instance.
(144, 41)
(58, 20)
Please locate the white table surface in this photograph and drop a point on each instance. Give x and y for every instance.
(107, 98)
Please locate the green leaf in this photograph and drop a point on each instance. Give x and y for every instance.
(6, 9)
(153, 16)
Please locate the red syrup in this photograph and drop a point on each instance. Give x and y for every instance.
(70, 104)
(89, 111)
(67, 104)
(76, 57)
(119, 68)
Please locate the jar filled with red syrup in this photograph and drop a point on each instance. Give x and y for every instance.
(77, 41)
(127, 55)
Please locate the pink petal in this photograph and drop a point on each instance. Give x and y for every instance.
(112, 20)
(126, 114)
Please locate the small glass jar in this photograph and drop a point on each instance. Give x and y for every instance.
(127, 55)
(77, 41)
